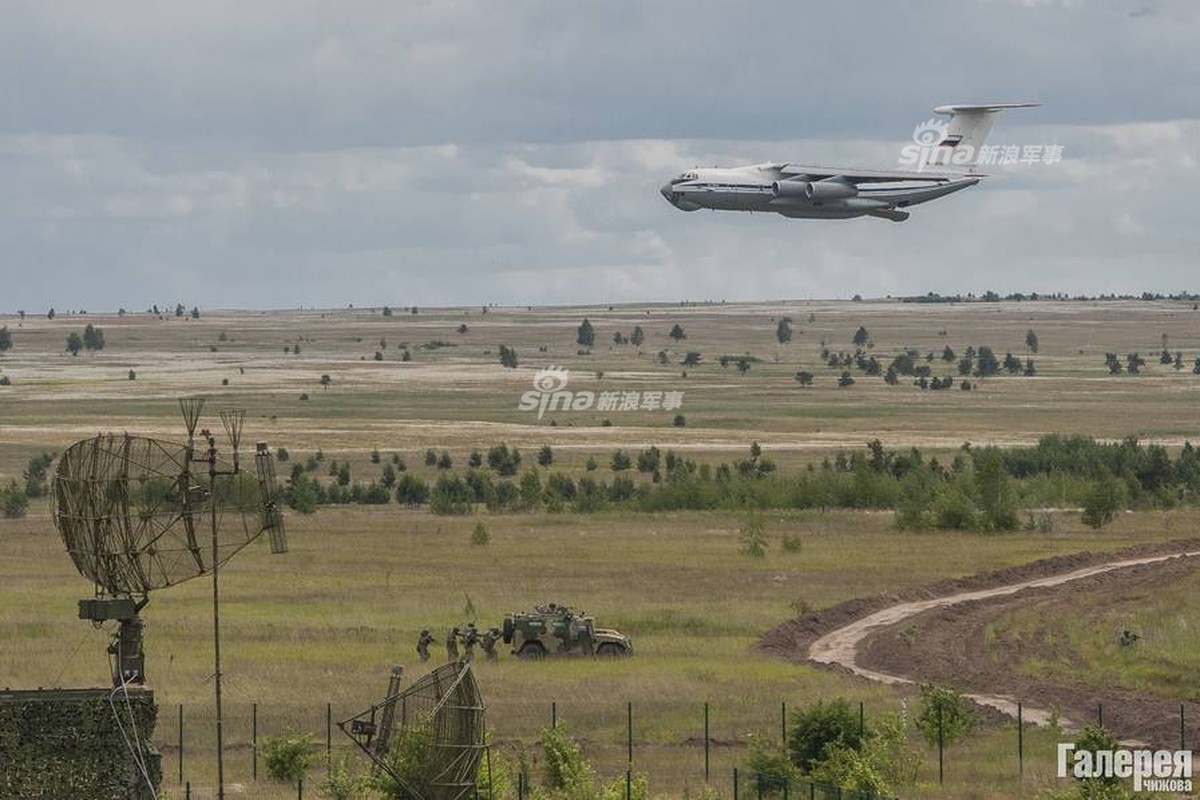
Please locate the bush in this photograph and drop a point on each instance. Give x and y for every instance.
(13, 502)
(288, 756)
(342, 784)
(770, 768)
(957, 716)
(567, 772)
(1104, 499)
(817, 729)
(504, 460)
(752, 536)
(480, 535)
(451, 496)
(411, 490)
(411, 756)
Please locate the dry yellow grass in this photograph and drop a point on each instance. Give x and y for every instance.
(323, 623)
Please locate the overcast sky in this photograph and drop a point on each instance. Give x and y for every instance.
(278, 153)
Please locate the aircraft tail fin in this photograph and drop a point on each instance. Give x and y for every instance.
(970, 124)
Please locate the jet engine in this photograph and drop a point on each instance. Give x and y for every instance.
(792, 188)
(829, 189)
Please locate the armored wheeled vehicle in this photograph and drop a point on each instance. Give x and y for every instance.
(560, 630)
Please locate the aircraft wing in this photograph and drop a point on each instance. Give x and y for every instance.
(858, 175)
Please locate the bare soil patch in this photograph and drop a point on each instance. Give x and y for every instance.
(946, 644)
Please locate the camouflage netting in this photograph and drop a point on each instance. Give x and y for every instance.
(67, 744)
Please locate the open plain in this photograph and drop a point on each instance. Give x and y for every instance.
(319, 626)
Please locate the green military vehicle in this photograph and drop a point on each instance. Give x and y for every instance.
(560, 630)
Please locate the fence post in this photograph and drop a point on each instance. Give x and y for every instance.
(735, 784)
(254, 739)
(629, 729)
(181, 742)
(862, 720)
(941, 774)
(1100, 714)
(1020, 741)
(187, 792)
(300, 789)
(553, 714)
(628, 784)
(328, 739)
(1181, 736)
(783, 723)
(706, 742)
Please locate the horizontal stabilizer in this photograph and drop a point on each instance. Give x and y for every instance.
(970, 124)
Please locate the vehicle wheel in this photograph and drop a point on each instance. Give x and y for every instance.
(609, 650)
(532, 650)
(507, 634)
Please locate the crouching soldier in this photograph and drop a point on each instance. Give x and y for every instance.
(488, 640)
(423, 642)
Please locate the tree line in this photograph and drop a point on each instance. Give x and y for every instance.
(984, 488)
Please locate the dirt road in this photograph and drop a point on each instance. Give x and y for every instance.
(876, 638)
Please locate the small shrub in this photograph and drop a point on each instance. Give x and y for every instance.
(342, 784)
(132, 375)
(288, 756)
(792, 542)
(13, 502)
(567, 771)
(752, 536)
(480, 535)
(956, 715)
(770, 769)
(818, 728)
(412, 758)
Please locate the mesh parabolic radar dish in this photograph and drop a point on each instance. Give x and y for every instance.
(435, 726)
(135, 513)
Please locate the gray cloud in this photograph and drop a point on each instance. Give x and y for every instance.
(277, 154)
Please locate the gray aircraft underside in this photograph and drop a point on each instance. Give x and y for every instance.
(821, 192)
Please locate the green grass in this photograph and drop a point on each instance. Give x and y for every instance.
(323, 623)
(1163, 662)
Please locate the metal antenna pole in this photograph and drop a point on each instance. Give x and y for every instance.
(212, 498)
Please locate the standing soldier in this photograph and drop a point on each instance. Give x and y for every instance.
(488, 640)
(423, 642)
(452, 645)
(470, 639)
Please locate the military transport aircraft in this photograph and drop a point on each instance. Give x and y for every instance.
(820, 192)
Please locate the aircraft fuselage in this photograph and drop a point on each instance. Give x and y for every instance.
(804, 192)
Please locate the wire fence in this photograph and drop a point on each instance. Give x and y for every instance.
(186, 739)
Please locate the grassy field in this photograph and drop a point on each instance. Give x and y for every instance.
(1162, 662)
(323, 623)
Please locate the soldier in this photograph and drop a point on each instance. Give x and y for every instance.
(489, 639)
(423, 642)
(470, 639)
(452, 645)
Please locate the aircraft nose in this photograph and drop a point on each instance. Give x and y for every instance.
(667, 191)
